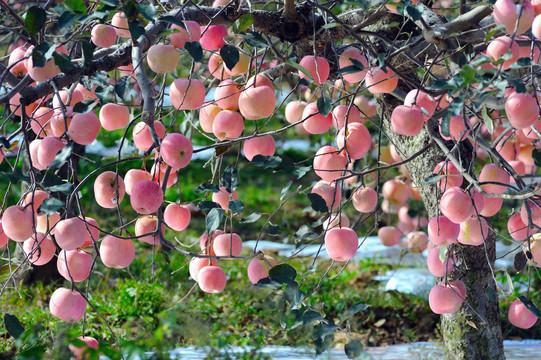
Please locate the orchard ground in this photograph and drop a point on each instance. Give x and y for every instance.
(163, 310)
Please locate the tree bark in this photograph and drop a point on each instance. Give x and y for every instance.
(474, 331)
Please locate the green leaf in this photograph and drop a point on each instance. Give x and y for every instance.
(253, 217)
(147, 10)
(230, 178)
(136, 30)
(414, 11)
(285, 189)
(291, 319)
(34, 352)
(295, 295)
(318, 203)
(283, 273)
(492, 295)
(88, 51)
(62, 156)
(194, 49)
(518, 84)
(99, 78)
(122, 87)
(468, 73)
(77, 6)
(206, 206)
(351, 69)
(205, 187)
(530, 306)
(487, 120)
(78, 343)
(273, 230)
(102, 92)
(480, 60)
(66, 19)
(353, 349)
(43, 53)
(324, 105)
(267, 162)
(305, 232)
(236, 206)
(433, 179)
(456, 107)
(300, 171)
(494, 31)
(353, 310)
(268, 283)
(381, 61)
(113, 3)
(253, 38)
(15, 177)
(5, 143)
(13, 325)
(84, 106)
(300, 68)
(214, 219)
(442, 251)
(35, 19)
(62, 61)
(536, 155)
(446, 125)
(65, 188)
(522, 63)
(243, 23)
(324, 339)
(330, 25)
(310, 316)
(50, 206)
(130, 9)
(230, 56)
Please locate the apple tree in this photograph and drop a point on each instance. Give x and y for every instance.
(443, 92)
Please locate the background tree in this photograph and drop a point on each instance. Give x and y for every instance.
(454, 83)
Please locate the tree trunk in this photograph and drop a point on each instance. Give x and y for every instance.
(474, 331)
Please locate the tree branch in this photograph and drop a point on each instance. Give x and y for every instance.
(270, 22)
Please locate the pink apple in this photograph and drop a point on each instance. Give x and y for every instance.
(317, 66)
(40, 249)
(341, 243)
(329, 164)
(259, 268)
(103, 35)
(116, 253)
(176, 150)
(67, 305)
(146, 197)
(114, 116)
(389, 235)
(141, 135)
(345, 61)
(262, 145)
(76, 263)
(177, 217)
(148, 225)
(520, 316)
(227, 244)
(211, 279)
(187, 94)
(18, 223)
(223, 197)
